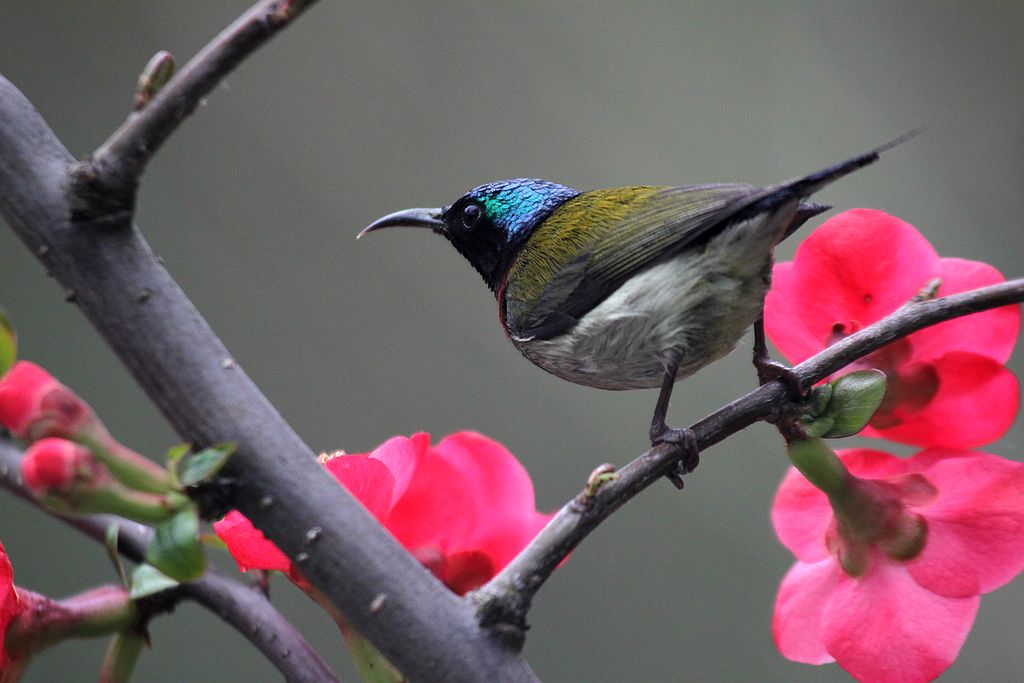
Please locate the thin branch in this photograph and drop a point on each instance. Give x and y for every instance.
(106, 184)
(506, 598)
(428, 632)
(245, 609)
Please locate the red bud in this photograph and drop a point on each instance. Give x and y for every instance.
(54, 464)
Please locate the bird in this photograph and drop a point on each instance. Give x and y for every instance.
(630, 287)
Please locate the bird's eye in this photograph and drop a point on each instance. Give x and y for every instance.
(471, 215)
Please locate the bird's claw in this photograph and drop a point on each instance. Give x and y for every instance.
(769, 370)
(685, 440)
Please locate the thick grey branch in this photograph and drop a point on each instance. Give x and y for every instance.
(506, 598)
(121, 286)
(247, 610)
(105, 185)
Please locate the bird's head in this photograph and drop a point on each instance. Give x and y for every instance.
(488, 224)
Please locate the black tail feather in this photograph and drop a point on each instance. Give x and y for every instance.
(800, 188)
(808, 185)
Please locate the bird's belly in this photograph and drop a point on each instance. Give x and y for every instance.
(673, 311)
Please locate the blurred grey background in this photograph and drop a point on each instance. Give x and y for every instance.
(364, 108)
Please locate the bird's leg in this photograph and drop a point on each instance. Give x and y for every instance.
(768, 369)
(684, 438)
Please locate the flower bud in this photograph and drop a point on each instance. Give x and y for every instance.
(33, 405)
(68, 478)
(58, 465)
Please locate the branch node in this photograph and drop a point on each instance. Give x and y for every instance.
(504, 617)
(929, 291)
(284, 13)
(101, 200)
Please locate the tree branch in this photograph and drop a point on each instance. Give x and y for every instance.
(105, 185)
(247, 610)
(115, 278)
(506, 598)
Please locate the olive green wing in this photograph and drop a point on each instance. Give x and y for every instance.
(594, 242)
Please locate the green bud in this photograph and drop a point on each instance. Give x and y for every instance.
(844, 406)
(154, 77)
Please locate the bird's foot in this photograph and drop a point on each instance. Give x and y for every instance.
(769, 370)
(685, 440)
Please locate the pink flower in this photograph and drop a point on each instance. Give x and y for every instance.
(33, 404)
(464, 507)
(10, 607)
(865, 592)
(946, 384)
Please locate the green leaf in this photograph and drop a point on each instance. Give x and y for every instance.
(818, 400)
(8, 344)
(175, 549)
(176, 453)
(173, 460)
(147, 580)
(819, 426)
(111, 542)
(855, 398)
(204, 465)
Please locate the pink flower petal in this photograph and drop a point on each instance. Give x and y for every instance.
(976, 403)
(784, 322)
(885, 628)
(502, 489)
(10, 607)
(867, 463)
(853, 270)
(248, 545)
(437, 508)
(801, 515)
(975, 538)
(368, 480)
(402, 456)
(504, 543)
(1000, 326)
(797, 625)
(465, 571)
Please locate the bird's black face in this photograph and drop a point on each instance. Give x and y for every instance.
(488, 224)
(474, 233)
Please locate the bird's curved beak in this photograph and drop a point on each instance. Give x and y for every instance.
(409, 218)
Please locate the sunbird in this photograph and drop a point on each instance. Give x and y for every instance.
(628, 287)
